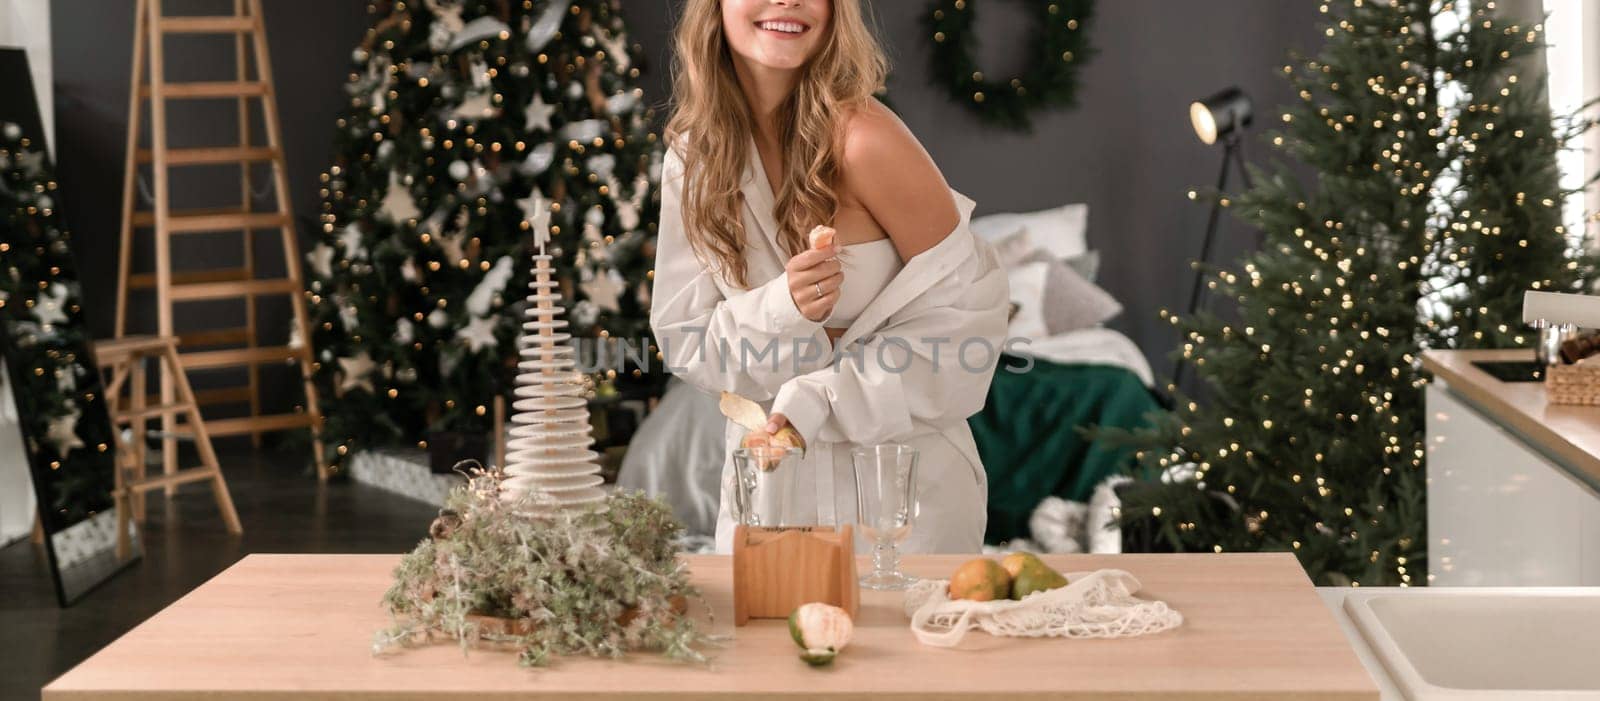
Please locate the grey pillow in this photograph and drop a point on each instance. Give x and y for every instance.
(1086, 263)
(1071, 302)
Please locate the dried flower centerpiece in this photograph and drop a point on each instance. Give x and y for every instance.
(538, 554)
(596, 581)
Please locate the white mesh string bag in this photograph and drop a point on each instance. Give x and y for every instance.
(1099, 604)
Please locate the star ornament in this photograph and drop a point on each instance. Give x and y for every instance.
(63, 433)
(32, 163)
(536, 212)
(51, 308)
(321, 260)
(604, 289)
(476, 107)
(357, 372)
(398, 204)
(479, 333)
(537, 114)
(453, 246)
(616, 44)
(350, 239)
(66, 381)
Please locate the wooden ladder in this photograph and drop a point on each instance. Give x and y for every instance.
(123, 360)
(239, 346)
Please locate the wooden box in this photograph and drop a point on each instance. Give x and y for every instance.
(775, 570)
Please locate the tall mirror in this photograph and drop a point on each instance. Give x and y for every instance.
(51, 383)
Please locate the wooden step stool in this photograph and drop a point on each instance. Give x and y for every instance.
(123, 360)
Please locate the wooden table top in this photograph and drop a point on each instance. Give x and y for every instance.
(1570, 434)
(301, 626)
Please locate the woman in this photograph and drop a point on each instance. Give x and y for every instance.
(774, 132)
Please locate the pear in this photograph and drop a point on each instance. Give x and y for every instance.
(981, 579)
(1035, 577)
(1014, 562)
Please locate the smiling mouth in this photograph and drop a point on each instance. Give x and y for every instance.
(783, 27)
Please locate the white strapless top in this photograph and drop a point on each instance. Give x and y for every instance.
(868, 266)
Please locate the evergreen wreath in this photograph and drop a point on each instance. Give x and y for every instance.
(1060, 46)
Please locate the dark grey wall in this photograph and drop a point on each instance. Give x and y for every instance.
(1127, 150)
(310, 42)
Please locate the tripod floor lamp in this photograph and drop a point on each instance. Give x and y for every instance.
(1222, 116)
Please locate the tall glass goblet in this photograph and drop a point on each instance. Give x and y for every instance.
(886, 507)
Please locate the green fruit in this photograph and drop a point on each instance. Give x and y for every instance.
(821, 631)
(1014, 562)
(794, 630)
(1034, 578)
(980, 579)
(819, 658)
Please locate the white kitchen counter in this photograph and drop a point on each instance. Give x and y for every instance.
(1513, 481)
(1473, 643)
(1334, 598)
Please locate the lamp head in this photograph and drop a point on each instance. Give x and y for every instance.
(1220, 115)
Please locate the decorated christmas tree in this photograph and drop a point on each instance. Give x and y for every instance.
(47, 340)
(1436, 203)
(475, 126)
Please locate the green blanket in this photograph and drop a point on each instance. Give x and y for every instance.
(1027, 435)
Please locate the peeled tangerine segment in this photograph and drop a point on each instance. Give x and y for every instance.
(821, 237)
(788, 437)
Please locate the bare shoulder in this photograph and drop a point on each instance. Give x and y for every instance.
(888, 172)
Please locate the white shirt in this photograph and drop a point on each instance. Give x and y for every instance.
(868, 267)
(910, 388)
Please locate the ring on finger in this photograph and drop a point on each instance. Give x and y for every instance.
(818, 285)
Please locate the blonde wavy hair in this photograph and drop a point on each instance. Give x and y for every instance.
(711, 124)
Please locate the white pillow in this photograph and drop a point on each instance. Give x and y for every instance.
(1027, 292)
(1062, 231)
(1013, 247)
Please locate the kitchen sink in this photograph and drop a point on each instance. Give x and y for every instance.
(1484, 642)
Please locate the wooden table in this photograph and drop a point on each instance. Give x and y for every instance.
(1570, 434)
(300, 626)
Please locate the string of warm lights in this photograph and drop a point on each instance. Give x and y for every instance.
(1436, 204)
(473, 128)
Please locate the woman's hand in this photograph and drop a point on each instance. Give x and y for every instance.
(814, 279)
(776, 422)
(776, 434)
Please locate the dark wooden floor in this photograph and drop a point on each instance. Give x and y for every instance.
(283, 509)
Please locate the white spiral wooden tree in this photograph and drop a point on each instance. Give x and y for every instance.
(549, 452)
